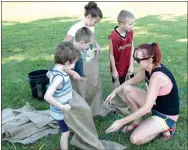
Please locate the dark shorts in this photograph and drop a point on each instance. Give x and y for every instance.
(63, 126)
(171, 123)
(121, 80)
(79, 67)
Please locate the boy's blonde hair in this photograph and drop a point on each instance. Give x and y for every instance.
(124, 15)
(84, 34)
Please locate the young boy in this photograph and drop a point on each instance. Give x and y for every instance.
(82, 41)
(59, 93)
(121, 47)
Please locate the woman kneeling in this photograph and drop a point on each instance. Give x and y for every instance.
(161, 98)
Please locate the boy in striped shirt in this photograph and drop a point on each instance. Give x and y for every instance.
(59, 92)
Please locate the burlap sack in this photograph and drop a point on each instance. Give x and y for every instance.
(89, 88)
(80, 120)
(119, 101)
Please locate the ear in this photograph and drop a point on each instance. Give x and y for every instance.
(121, 24)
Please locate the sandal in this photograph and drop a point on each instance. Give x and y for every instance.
(172, 133)
(126, 130)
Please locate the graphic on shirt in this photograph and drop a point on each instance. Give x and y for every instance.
(124, 46)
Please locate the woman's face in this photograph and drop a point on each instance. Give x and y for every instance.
(142, 61)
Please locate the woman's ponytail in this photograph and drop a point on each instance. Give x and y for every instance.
(157, 54)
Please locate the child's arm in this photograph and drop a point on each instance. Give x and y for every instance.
(131, 69)
(115, 74)
(49, 95)
(99, 49)
(68, 38)
(74, 74)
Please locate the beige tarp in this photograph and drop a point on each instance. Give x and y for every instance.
(26, 125)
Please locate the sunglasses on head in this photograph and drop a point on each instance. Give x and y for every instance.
(138, 59)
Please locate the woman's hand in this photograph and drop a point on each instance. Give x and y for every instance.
(110, 97)
(116, 125)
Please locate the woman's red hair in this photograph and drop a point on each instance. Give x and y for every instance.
(150, 50)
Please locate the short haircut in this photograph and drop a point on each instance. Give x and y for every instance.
(124, 15)
(84, 34)
(65, 51)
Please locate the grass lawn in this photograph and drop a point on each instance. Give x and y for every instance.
(29, 46)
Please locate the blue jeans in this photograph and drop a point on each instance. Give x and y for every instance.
(168, 121)
(79, 67)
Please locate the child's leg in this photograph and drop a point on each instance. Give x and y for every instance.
(65, 134)
(64, 140)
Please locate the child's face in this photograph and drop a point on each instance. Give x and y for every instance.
(83, 45)
(128, 25)
(91, 21)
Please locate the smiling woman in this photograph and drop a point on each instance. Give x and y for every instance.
(161, 98)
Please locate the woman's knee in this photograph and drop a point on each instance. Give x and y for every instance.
(127, 89)
(135, 139)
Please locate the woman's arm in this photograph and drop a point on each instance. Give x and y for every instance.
(154, 86)
(137, 78)
(132, 81)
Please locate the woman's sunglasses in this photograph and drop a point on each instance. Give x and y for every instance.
(138, 59)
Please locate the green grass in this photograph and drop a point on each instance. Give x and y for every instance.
(30, 46)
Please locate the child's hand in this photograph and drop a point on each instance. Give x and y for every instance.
(99, 49)
(66, 108)
(76, 76)
(115, 74)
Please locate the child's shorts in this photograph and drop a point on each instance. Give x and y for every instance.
(121, 80)
(63, 126)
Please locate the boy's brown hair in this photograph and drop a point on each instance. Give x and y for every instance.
(124, 15)
(84, 34)
(65, 51)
